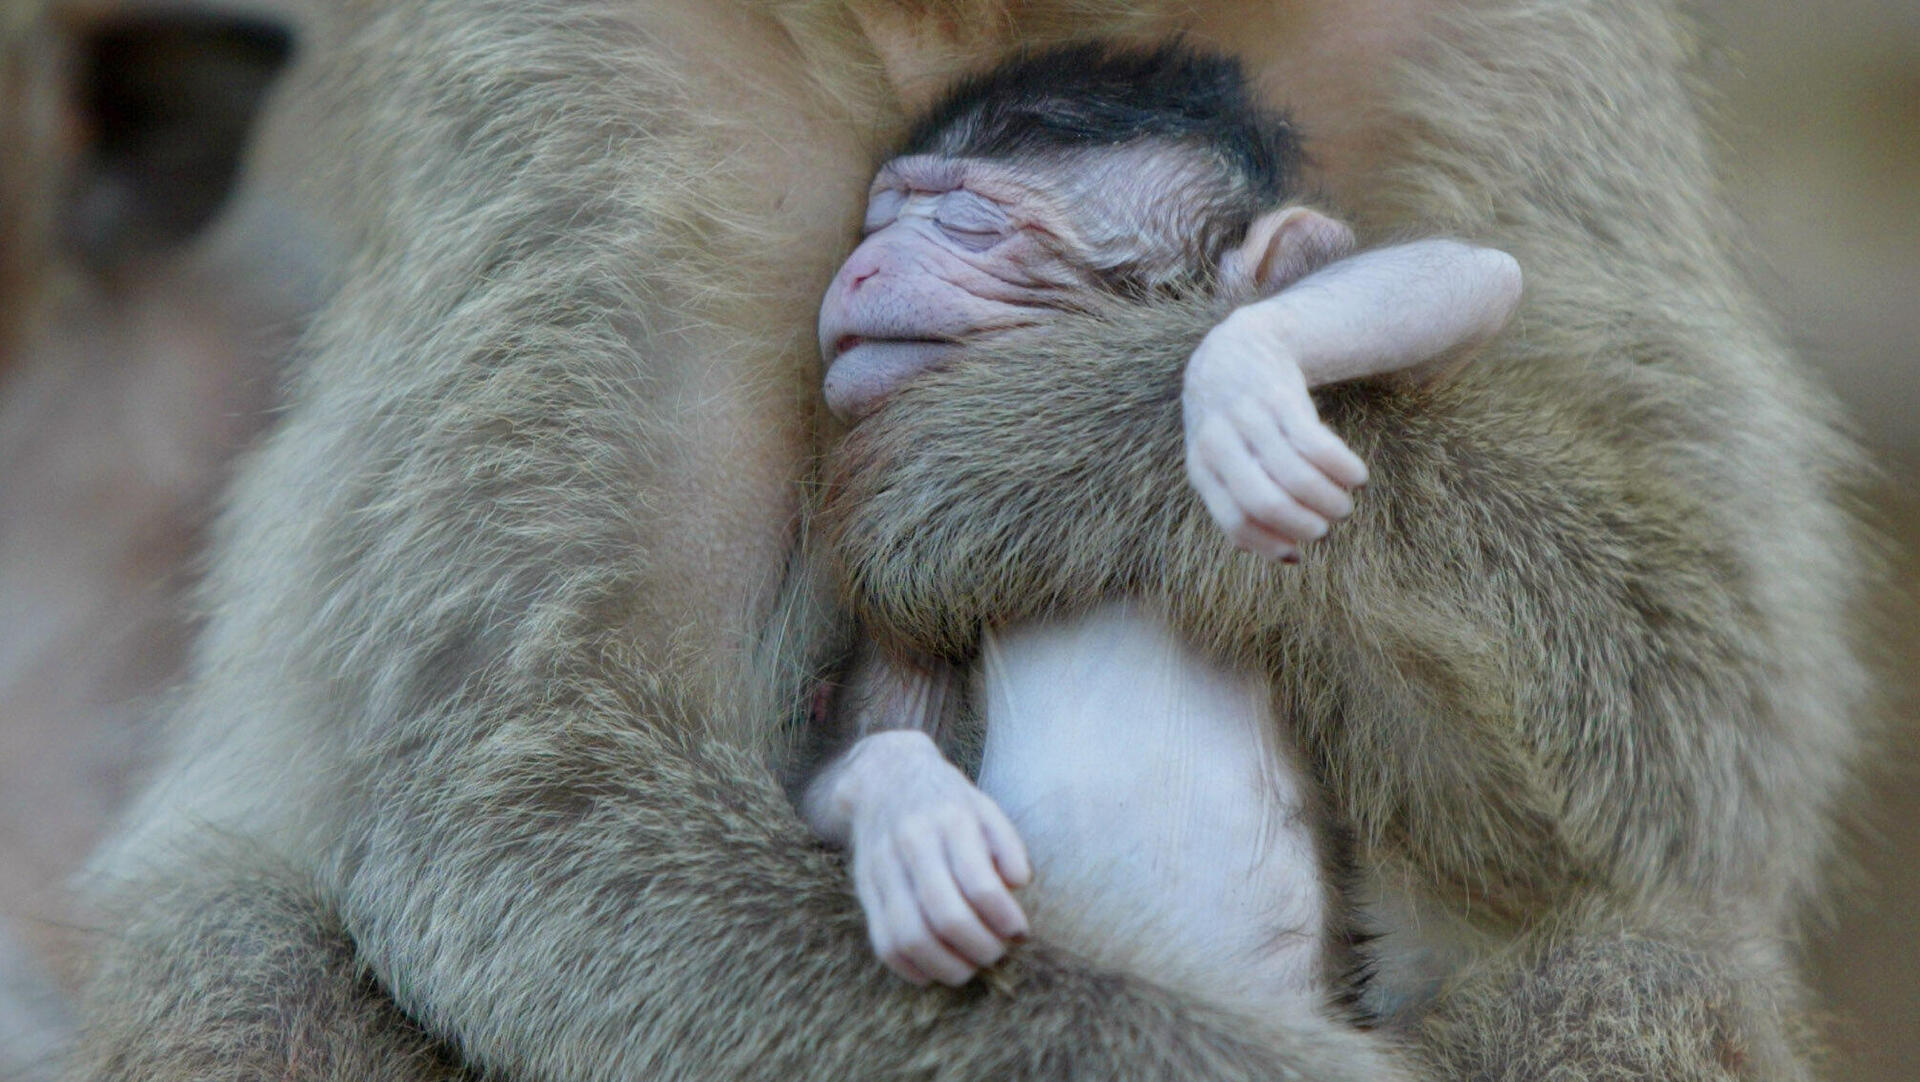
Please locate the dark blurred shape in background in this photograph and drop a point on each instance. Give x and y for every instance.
(145, 310)
(169, 100)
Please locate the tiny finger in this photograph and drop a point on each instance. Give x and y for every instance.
(1238, 490)
(1009, 850)
(1319, 443)
(1246, 534)
(881, 920)
(1300, 478)
(1213, 494)
(945, 910)
(980, 884)
(916, 941)
(1266, 504)
(1331, 455)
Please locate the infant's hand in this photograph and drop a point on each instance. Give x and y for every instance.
(934, 860)
(1269, 471)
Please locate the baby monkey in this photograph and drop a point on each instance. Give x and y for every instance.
(1153, 788)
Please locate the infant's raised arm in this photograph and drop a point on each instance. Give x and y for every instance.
(1271, 473)
(1420, 308)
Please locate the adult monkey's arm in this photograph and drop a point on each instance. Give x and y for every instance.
(498, 654)
(1578, 668)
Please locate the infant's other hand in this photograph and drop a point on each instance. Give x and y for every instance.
(935, 862)
(1270, 472)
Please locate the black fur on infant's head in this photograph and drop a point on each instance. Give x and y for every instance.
(1097, 94)
(1041, 107)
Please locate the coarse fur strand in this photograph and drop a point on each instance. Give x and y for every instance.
(290, 999)
(496, 690)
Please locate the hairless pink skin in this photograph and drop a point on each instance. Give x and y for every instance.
(1164, 802)
(934, 859)
(1155, 787)
(957, 250)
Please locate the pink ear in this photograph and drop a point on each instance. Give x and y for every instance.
(1284, 246)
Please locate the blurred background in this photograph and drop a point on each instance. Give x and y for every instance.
(1823, 157)
(140, 341)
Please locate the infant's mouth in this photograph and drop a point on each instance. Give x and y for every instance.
(849, 341)
(864, 372)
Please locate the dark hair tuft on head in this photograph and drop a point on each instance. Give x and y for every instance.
(1096, 94)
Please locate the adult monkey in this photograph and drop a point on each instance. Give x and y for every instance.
(474, 581)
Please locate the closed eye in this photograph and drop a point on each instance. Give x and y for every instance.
(972, 220)
(977, 240)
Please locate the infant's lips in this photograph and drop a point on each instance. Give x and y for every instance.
(865, 372)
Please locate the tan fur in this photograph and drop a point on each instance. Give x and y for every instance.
(507, 629)
(290, 1000)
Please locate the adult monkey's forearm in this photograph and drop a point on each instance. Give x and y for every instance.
(275, 990)
(968, 504)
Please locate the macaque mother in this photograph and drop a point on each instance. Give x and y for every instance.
(512, 623)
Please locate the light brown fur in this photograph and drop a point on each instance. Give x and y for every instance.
(508, 631)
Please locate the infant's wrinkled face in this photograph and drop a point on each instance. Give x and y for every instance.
(955, 249)
(958, 248)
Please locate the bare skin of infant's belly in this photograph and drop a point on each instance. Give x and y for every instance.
(1161, 804)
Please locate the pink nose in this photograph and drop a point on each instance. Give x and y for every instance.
(861, 265)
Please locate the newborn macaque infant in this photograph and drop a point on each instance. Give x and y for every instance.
(1154, 790)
